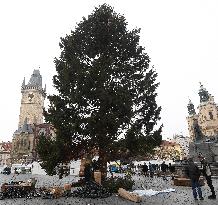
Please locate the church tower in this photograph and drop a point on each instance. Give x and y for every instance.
(31, 115)
(208, 114)
(32, 102)
(192, 119)
(203, 127)
(204, 124)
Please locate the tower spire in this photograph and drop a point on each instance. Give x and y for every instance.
(203, 93)
(32, 101)
(23, 84)
(191, 108)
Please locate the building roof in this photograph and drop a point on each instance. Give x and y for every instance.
(36, 79)
(7, 146)
(25, 128)
(35, 82)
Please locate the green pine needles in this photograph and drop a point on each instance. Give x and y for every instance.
(106, 90)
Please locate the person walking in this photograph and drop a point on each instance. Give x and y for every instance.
(145, 169)
(206, 171)
(151, 170)
(193, 172)
(164, 168)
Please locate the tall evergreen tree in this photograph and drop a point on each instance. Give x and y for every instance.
(106, 89)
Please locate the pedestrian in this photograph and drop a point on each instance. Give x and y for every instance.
(88, 172)
(193, 172)
(111, 171)
(145, 169)
(61, 171)
(206, 171)
(139, 166)
(151, 170)
(94, 165)
(172, 170)
(164, 168)
(15, 170)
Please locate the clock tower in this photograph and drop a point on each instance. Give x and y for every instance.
(32, 101)
(31, 115)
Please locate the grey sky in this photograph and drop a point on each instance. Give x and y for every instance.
(181, 38)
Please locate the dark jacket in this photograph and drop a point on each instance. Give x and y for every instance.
(193, 172)
(151, 168)
(163, 167)
(144, 167)
(204, 167)
(95, 165)
(172, 168)
(88, 172)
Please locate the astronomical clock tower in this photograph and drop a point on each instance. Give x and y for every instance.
(32, 102)
(31, 114)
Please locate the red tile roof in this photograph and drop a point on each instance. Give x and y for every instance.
(7, 146)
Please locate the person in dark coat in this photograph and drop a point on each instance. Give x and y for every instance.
(164, 168)
(172, 170)
(88, 172)
(95, 165)
(206, 171)
(193, 172)
(151, 170)
(145, 169)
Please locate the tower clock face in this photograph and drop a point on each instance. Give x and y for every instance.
(30, 97)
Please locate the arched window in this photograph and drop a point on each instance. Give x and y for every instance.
(211, 115)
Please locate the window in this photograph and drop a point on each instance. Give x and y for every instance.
(211, 115)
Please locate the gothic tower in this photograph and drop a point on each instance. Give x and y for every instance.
(31, 115)
(32, 101)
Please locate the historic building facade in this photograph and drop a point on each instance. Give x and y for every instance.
(204, 124)
(168, 150)
(30, 119)
(183, 141)
(203, 127)
(5, 153)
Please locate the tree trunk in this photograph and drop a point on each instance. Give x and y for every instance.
(102, 161)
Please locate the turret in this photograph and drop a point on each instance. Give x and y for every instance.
(32, 101)
(35, 82)
(23, 84)
(191, 108)
(203, 93)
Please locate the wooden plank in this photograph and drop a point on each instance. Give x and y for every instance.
(129, 196)
(97, 177)
(186, 182)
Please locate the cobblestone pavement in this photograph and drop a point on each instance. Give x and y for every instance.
(182, 195)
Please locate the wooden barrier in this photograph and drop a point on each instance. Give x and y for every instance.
(186, 181)
(97, 177)
(57, 192)
(67, 187)
(130, 196)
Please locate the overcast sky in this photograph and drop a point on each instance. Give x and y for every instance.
(181, 38)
